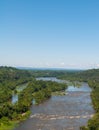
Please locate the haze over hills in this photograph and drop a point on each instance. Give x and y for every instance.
(31, 68)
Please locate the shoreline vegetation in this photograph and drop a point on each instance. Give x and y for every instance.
(59, 93)
(40, 91)
(6, 124)
(92, 78)
(12, 114)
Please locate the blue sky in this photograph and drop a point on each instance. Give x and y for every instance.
(49, 33)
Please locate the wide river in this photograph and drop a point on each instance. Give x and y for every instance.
(67, 112)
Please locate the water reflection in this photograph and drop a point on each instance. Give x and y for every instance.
(14, 98)
(82, 88)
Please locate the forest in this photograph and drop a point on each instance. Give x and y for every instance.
(10, 78)
(91, 77)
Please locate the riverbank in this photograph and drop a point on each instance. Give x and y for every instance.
(6, 124)
(59, 93)
(39, 91)
(93, 123)
(61, 109)
(55, 91)
(9, 125)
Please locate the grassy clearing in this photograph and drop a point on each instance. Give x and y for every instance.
(8, 126)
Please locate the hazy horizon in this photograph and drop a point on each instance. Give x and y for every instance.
(48, 68)
(49, 34)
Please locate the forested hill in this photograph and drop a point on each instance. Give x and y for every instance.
(40, 90)
(92, 74)
(10, 73)
(10, 80)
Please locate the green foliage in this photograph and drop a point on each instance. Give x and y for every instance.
(42, 95)
(83, 128)
(93, 124)
(10, 78)
(40, 91)
(10, 81)
(4, 120)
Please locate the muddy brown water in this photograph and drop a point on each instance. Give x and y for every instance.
(67, 112)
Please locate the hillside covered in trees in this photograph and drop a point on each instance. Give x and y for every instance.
(10, 78)
(91, 77)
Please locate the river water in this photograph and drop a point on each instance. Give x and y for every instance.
(67, 112)
(19, 89)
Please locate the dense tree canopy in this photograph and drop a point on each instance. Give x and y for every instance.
(10, 78)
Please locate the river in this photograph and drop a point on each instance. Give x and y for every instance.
(67, 112)
(19, 88)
